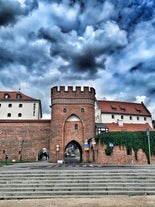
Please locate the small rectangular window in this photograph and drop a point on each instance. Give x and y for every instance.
(122, 117)
(10, 105)
(9, 115)
(145, 118)
(137, 117)
(112, 116)
(19, 115)
(20, 105)
(130, 117)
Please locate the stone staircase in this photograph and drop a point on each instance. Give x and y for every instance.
(28, 184)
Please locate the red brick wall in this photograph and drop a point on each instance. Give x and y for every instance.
(118, 157)
(23, 139)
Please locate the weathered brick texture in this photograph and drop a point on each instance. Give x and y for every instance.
(65, 104)
(118, 157)
(23, 139)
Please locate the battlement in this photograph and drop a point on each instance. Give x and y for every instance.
(73, 92)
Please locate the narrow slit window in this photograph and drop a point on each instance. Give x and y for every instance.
(64, 110)
(76, 126)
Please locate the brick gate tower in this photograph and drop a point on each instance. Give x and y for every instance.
(72, 119)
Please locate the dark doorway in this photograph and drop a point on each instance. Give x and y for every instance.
(43, 155)
(73, 153)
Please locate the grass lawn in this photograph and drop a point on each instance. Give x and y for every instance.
(10, 162)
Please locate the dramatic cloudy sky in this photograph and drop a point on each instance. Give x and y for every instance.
(105, 44)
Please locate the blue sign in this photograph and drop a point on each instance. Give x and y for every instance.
(111, 144)
(86, 146)
(147, 132)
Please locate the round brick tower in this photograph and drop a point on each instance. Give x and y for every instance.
(72, 119)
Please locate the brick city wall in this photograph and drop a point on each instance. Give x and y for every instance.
(118, 157)
(22, 140)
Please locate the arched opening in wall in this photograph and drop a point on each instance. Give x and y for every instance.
(73, 152)
(43, 154)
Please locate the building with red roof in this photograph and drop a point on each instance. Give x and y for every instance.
(122, 116)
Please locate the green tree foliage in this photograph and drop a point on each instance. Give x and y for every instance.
(131, 140)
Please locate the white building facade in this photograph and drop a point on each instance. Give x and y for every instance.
(121, 113)
(16, 105)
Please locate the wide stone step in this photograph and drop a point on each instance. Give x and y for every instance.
(46, 185)
(75, 188)
(76, 183)
(61, 194)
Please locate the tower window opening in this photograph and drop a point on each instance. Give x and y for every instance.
(64, 110)
(82, 109)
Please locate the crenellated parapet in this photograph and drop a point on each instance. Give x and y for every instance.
(69, 92)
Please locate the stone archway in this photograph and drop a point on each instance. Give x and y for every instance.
(73, 152)
(43, 154)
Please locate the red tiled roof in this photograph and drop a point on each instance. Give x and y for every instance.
(114, 127)
(118, 107)
(14, 96)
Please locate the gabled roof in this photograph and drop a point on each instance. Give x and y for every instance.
(118, 107)
(114, 127)
(15, 96)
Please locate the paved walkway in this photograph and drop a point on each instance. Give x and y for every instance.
(45, 165)
(107, 201)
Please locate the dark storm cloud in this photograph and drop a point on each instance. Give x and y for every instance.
(84, 53)
(5, 57)
(10, 10)
(131, 12)
(108, 43)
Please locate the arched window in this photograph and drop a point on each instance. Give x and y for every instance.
(18, 96)
(82, 109)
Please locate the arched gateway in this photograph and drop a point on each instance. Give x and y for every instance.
(72, 121)
(73, 152)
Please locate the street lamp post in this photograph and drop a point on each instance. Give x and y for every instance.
(149, 147)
